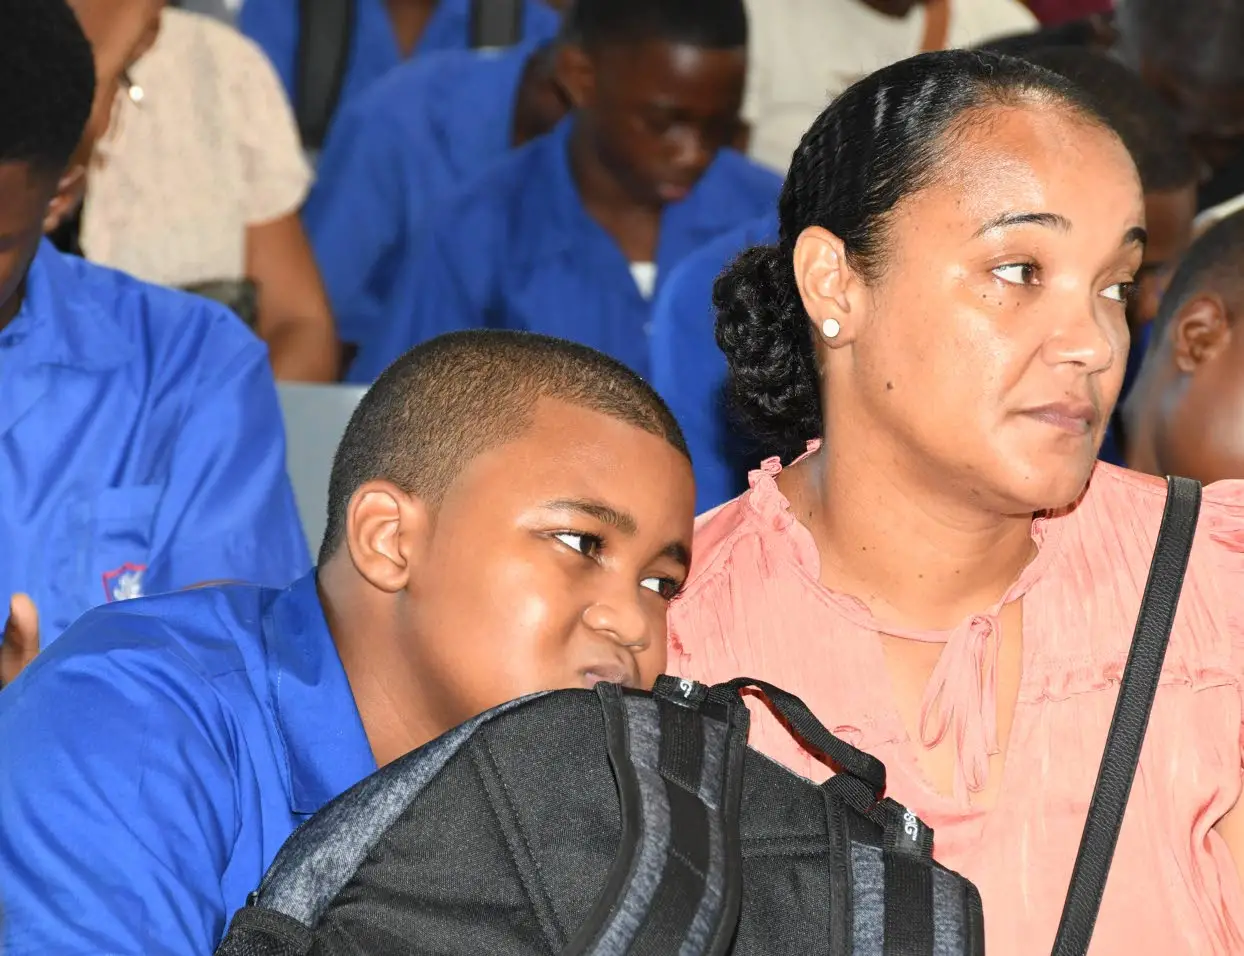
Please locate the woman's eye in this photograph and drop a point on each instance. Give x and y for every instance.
(587, 545)
(1017, 273)
(1120, 291)
(668, 588)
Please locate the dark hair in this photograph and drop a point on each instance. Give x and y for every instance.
(47, 83)
(1211, 265)
(1147, 126)
(455, 396)
(876, 144)
(709, 24)
(1200, 37)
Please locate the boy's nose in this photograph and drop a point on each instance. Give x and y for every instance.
(623, 622)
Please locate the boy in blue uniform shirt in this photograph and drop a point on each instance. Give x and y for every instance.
(383, 33)
(398, 149)
(689, 370)
(571, 234)
(508, 513)
(141, 444)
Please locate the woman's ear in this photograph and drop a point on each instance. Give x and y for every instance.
(827, 285)
(1201, 329)
(70, 192)
(387, 533)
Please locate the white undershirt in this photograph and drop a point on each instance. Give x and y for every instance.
(645, 276)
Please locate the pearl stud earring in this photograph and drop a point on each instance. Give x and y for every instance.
(830, 328)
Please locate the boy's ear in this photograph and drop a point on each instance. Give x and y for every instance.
(1201, 329)
(387, 532)
(576, 75)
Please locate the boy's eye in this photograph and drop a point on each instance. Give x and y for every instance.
(1017, 273)
(1120, 291)
(587, 545)
(668, 588)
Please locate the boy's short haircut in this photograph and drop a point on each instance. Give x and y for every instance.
(455, 396)
(1215, 263)
(1148, 127)
(708, 24)
(47, 83)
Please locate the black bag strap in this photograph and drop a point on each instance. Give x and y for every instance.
(325, 35)
(1131, 717)
(495, 24)
(809, 731)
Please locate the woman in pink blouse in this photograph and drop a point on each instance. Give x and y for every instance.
(946, 577)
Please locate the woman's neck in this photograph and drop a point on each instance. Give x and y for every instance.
(919, 559)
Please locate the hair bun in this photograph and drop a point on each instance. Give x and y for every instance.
(766, 336)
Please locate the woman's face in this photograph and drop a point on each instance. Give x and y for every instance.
(990, 351)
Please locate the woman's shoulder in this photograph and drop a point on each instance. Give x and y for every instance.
(1131, 504)
(758, 520)
(1108, 540)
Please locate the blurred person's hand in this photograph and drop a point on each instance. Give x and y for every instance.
(21, 638)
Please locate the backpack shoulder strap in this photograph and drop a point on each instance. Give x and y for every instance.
(496, 24)
(325, 35)
(1131, 717)
(676, 883)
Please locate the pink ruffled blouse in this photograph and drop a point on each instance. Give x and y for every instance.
(755, 607)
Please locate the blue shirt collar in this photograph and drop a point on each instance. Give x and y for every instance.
(562, 207)
(326, 747)
(491, 94)
(446, 28)
(61, 322)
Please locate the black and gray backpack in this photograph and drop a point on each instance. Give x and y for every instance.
(614, 822)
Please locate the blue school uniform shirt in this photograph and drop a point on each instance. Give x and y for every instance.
(689, 370)
(274, 25)
(153, 761)
(141, 446)
(394, 152)
(516, 249)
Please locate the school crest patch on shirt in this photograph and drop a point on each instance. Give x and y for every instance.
(125, 582)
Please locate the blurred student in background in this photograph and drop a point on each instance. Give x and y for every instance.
(366, 39)
(141, 445)
(198, 180)
(399, 148)
(1190, 53)
(1185, 415)
(573, 234)
(806, 52)
(689, 370)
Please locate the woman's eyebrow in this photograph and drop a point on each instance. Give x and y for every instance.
(1051, 220)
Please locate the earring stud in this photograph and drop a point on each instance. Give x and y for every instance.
(830, 328)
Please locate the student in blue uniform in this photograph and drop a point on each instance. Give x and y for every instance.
(400, 147)
(383, 34)
(508, 513)
(689, 370)
(141, 445)
(572, 234)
